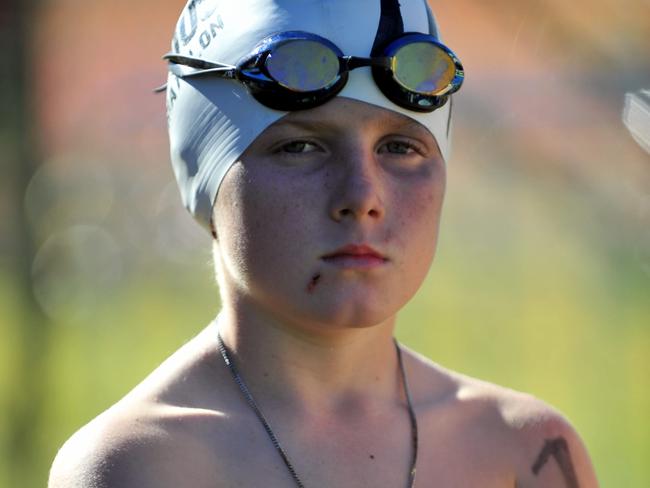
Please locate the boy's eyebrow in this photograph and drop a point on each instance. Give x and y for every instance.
(396, 121)
(311, 125)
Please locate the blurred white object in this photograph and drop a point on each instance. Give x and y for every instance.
(636, 117)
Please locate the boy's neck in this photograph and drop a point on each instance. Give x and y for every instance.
(311, 370)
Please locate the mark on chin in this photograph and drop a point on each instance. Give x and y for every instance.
(312, 283)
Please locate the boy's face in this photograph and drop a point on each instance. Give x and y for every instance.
(317, 180)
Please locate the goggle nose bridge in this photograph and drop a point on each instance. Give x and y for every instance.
(349, 63)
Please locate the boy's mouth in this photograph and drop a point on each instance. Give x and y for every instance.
(355, 255)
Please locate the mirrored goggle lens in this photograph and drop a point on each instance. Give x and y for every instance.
(303, 65)
(424, 68)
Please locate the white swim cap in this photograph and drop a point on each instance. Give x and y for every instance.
(212, 121)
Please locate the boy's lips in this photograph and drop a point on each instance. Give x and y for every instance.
(355, 256)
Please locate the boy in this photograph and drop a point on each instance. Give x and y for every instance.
(311, 139)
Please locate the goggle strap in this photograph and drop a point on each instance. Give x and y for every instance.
(196, 62)
(221, 72)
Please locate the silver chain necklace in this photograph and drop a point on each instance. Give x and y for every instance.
(283, 454)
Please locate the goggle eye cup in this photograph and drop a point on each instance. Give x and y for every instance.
(303, 65)
(423, 68)
(422, 73)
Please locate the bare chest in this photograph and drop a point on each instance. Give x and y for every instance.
(318, 469)
(244, 456)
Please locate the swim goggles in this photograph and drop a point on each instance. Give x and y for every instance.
(297, 70)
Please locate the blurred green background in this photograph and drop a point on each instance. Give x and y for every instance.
(542, 278)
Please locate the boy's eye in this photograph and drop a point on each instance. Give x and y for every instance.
(298, 147)
(398, 147)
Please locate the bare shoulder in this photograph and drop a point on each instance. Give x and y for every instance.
(503, 430)
(550, 451)
(129, 449)
(157, 436)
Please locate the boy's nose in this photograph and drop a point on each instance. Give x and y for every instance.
(358, 190)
